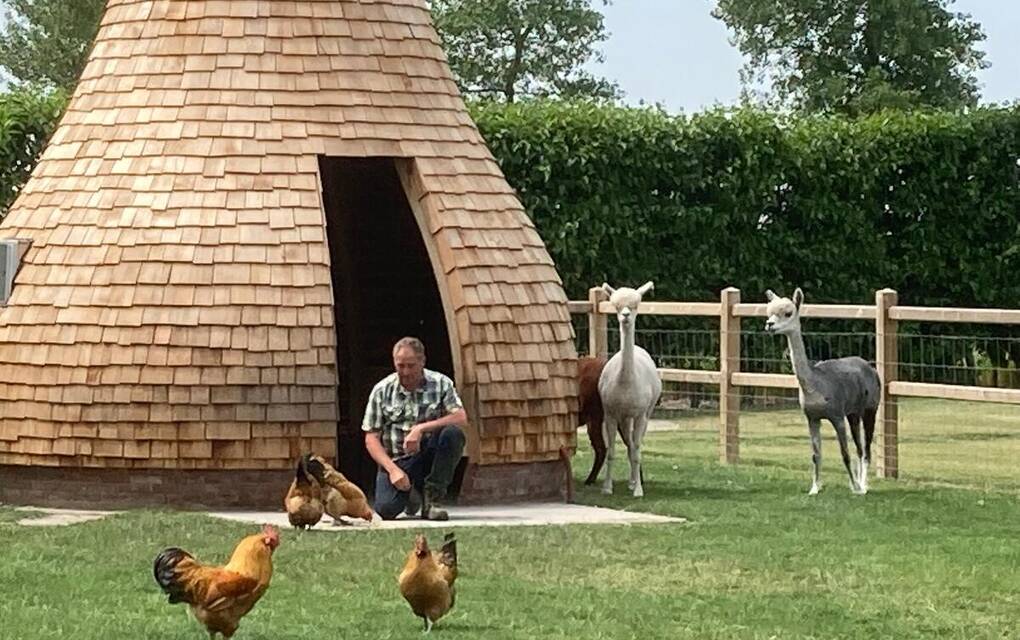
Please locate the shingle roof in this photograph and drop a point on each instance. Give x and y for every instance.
(175, 309)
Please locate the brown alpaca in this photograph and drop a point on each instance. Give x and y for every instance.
(590, 410)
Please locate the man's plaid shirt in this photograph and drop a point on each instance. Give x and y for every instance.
(393, 410)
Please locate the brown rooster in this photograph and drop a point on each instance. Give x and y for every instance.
(342, 497)
(219, 596)
(303, 501)
(426, 581)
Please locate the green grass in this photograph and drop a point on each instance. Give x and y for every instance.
(8, 516)
(962, 444)
(758, 559)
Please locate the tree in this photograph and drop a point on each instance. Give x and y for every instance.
(512, 48)
(47, 42)
(857, 56)
(27, 119)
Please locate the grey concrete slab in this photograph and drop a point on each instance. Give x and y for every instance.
(59, 517)
(527, 514)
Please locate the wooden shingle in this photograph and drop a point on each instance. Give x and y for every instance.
(179, 270)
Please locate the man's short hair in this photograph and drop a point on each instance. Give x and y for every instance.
(414, 344)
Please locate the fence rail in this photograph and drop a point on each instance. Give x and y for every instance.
(885, 314)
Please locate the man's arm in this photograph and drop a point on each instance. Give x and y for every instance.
(458, 417)
(376, 449)
(372, 425)
(378, 452)
(412, 442)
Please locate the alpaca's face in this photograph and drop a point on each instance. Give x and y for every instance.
(783, 313)
(626, 301)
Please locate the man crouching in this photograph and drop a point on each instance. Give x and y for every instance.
(413, 432)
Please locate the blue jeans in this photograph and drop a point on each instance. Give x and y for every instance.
(430, 471)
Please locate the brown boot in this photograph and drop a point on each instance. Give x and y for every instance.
(431, 509)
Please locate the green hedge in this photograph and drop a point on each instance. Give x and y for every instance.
(924, 203)
(928, 204)
(27, 118)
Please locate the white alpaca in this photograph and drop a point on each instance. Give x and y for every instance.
(629, 387)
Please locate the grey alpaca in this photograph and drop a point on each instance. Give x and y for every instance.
(629, 387)
(840, 390)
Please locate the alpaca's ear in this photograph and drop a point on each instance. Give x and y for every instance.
(798, 297)
(609, 290)
(770, 295)
(645, 288)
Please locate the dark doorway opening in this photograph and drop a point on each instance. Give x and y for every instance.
(384, 288)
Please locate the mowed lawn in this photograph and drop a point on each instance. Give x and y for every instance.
(964, 444)
(932, 555)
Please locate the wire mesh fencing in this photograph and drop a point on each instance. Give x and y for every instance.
(946, 441)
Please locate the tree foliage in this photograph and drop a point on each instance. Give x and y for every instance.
(47, 42)
(27, 119)
(857, 56)
(508, 49)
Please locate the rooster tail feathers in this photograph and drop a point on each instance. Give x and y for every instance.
(164, 570)
(315, 468)
(308, 467)
(301, 469)
(448, 552)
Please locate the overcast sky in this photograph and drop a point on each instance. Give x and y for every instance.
(675, 53)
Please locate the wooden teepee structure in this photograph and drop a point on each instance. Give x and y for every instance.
(245, 202)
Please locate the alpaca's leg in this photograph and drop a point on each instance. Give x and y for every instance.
(815, 428)
(623, 436)
(855, 432)
(626, 426)
(840, 425)
(637, 436)
(869, 433)
(609, 435)
(598, 447)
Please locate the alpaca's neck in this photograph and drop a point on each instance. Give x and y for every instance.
(627, 352)
(798, 358)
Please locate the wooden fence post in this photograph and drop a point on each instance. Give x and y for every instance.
(598, 325)
(729, 363)
(886, 361)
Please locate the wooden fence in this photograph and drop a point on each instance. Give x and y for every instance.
(885, 313)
